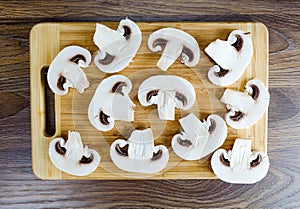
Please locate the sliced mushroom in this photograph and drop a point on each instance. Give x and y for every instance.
(138, 153)
(118, 47)
(246, 108)
(167, 92)
(198, 139)
(111, 102)
(240, 165)
(72, 157)
(175, 44)
(65, 70)
(231, 57)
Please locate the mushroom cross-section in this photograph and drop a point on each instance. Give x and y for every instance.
(118, 47)
(231, 57)
(174, 43)
(167, 92)
(198, 139)
(72, 157)
(111, 102)
(138, 153)
(65, 70)
(246, 108)
(240, 165)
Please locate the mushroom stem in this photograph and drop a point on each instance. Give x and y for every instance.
(170, 54)
(74, 144)
(166, 105)
(76, 78)
(141, 144)
(239, 100)
(240, 154)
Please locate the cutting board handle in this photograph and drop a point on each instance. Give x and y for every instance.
(49, 98)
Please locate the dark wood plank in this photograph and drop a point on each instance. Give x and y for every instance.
(20, 188)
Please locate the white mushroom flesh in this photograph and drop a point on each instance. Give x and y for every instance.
(240, 165)
(232, 57)
(198, 139)
(141, 145)
(65, 70)
(117, 48)
(72, 157)
(111, 102)
(167, 92)
(141, 155)
(246, 108)
(175, 44)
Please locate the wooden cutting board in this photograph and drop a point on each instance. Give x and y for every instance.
(47, 39)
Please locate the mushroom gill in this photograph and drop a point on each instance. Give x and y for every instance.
(77, 58)
(117, 88)
(107, 59)
(238, 44)
(103, 118)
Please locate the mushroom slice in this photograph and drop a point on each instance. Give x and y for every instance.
(111, 102)
(138, 153)
(65, 70)
(116, 47)
(246, 108)
(72, 157)
(240, 165)
(198, 139)
(232, 57)
(175, 44)
(167, 92)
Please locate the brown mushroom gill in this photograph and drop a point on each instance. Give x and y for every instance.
(78, 57)
(188, 52)
(160, 42)
(87, 160)
(127, 32)
(150, 94)
(184, 142)
(59, 149)
(123, 151)
(256, 161)
(156, 155)
(224, 161)
(103, 118)
(222, 72)
(238, 116)
(60, 82)
(255, 92)
(212, 126)
(117, 88)
(181, 97)
(107, 59)
(238, 44)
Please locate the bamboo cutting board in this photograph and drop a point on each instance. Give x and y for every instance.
(47, 39)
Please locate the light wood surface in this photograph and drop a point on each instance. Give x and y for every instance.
(47, 39)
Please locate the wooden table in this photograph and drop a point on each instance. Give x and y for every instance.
(20, 188)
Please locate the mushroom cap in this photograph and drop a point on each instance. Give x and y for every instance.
(199, 139)
(240, 165)
(167, 83)
(118, 47)
(232, 57)
(74, 159)
(246, 108)
(111, 102)
(140, 157)
(67, 65)
(175, 44)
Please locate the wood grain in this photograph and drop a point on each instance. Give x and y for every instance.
(19, 188)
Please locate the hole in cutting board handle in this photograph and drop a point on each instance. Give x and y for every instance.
(49, 104)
